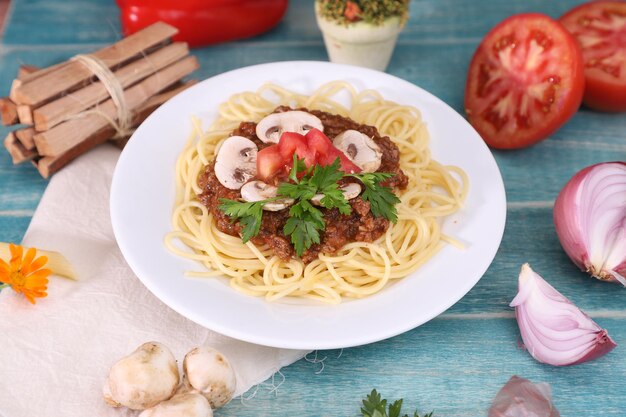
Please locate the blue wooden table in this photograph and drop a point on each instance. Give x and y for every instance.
(456, 363)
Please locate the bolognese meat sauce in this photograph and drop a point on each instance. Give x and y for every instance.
(358, 226)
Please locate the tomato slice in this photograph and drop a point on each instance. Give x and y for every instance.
(326, 153)
(269, 162)
(600, 27)
(291, 143)
(524, 82)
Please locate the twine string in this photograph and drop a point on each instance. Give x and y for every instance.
(123, 124)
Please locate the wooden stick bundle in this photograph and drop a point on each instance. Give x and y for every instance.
(70, 109)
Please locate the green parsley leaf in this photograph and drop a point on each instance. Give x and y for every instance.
(325, 179)
(375, 406)
(334, 198)
(382, 199)
(298, 166)
(248, 214)
(395, 408)
(300, 191)
(372, 404)
(304, 232)
(327, 176)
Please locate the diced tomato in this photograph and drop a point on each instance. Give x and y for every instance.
(327, 153)
(524, 82)
(291, 142)
(269, 162)
(319, 142)
(315, 148)
(600, 27)
(347, 165)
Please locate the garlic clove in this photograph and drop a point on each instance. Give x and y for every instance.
(590, 220)
(181, 405)
(209, 373)
(142, 379)
(553, 329)
(521, 398)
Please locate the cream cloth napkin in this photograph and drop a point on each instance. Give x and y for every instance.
(55, 355)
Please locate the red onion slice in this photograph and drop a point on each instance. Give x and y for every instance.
(554, 330)
(590, 220)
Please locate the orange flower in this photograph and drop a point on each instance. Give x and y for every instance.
(352, 12)
(25, 275)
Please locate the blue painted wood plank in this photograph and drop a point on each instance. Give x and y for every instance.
(21, 186)
(455, 367)
(530, 237)
(12, 227)
(68, 21)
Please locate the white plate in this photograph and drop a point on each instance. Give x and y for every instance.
(142, 196)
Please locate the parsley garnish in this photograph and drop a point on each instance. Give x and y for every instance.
(374, 406)
(248, 214)
(382, 199)
(305, 220)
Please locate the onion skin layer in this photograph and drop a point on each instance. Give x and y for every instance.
(569, 229)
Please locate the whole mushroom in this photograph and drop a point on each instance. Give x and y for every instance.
(209, 373)
(271, 127)
(142, 379)
(235, 163)
(360, 149)
(181, 405)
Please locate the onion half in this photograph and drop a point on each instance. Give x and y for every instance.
(554, 330)
(590, 220)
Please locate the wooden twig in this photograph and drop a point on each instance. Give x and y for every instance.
(73, 74)
(84, 132)
(17, 151)
(61, 109)
(8, 110)
(26, 137)
(25, 114)
(26, 70)
(49, 165)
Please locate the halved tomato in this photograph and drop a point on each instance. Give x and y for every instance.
(524, 82)
(600, 27)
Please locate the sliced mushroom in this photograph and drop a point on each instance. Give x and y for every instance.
(271, 127)
(235, 163)
(259, 190)
(349, 191)
(360, 149)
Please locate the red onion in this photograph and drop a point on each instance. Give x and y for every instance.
(554, 330)
(590, 220)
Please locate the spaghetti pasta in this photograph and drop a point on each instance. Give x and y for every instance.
(359, 269)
